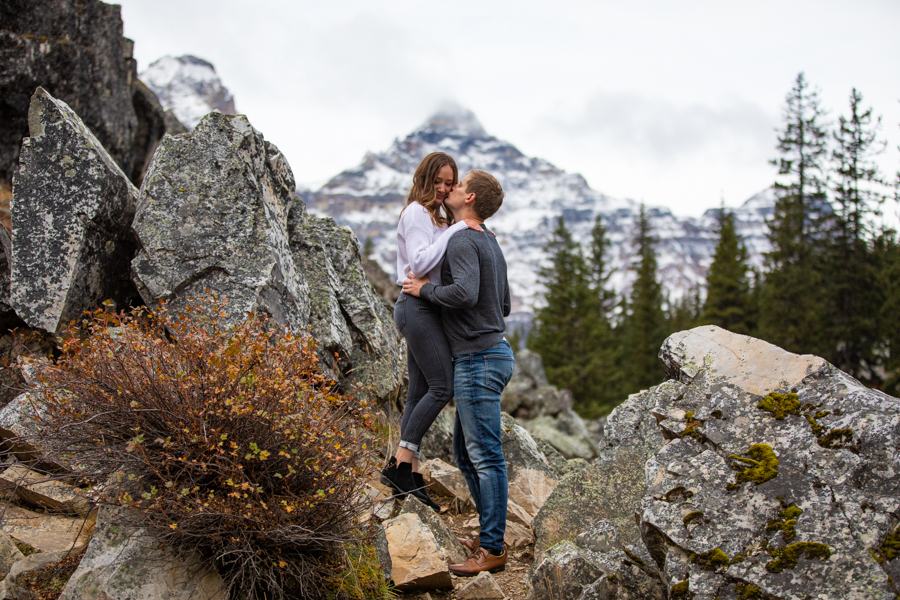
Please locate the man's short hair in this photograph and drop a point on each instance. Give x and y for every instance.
(488, 193)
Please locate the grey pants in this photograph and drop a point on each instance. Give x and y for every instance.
(430, 367)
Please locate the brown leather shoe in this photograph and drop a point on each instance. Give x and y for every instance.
(481, 560)
(471, 544)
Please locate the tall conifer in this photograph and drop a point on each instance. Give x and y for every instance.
(855, 294)
(792, 301)
(728, 296)
(567, 329)
(644, 324)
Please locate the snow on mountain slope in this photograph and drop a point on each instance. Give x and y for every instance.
(368, 198)
(189, 86)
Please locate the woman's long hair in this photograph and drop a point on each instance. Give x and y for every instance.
(422, 190)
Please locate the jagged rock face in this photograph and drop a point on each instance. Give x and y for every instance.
(189, 87)
(75, 50)
(213, 214)
(71, 214)
(529, 394)
(346, 316)
(793, 493)
(531, 479)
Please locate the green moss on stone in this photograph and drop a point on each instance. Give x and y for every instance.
(692, 517)
(837, 439)
(747, 591)
(713, 560)
(787, 524)
(787, 557)
(780, 405)
(634, 557)
(760, 467)
(890, 548)
(737, 559)
(680, 589)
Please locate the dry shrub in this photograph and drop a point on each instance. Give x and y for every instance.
(226, 440)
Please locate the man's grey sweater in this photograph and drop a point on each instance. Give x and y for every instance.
(474, 296)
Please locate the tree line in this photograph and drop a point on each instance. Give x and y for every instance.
(829, 285)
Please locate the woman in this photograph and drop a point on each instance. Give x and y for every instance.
(422, 235)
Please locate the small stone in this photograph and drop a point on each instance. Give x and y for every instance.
(482, 587)
(47, 533)
(517, 535)
(446, 480)
(416, 559)
(45, 491)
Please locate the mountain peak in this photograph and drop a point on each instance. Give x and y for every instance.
(453, 119)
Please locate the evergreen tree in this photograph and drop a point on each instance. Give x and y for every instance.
(887, 256)
(644, 324)
(728, 299)
(566, 332)
(686, 313)
(855, 293)
(792, 301)
(600, 272)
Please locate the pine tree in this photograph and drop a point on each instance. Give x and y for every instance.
(887, 257)
(644, 323)
(566, 332)
(728, 296)
(686, 313)
(600, 272)
(855, 293)
(792, 301)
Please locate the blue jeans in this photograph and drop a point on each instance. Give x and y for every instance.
(478, 380)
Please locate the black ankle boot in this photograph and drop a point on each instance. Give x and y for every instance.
(420, 484)
(389, 478)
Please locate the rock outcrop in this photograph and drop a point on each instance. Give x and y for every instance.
(124, 563)
(213, 215)
(531, 480)
(75, 50)
(71, 216)
(347, 317)
(751, 473)
(417, 561)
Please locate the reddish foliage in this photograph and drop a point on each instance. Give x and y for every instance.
(229, 441)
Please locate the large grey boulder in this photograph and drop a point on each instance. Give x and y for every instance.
(75, 50)
(346, 316)
(213, 215)
(566, 432)
(124, 563)
(71, 214)
(438, 441)
(587, 527)
(780, 474)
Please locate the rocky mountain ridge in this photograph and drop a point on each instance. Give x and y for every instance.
(368, 197)
(189, 87)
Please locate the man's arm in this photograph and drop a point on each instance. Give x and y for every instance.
(507, 301)
(466, 268)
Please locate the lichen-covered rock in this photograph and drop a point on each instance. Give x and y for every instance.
(781, 473)
(9, 554)
(121, 563)
(75, 50)
(562, 573)
(346, 316)
(453, 551)
(71, 215)
(531, 480)
(566, 432)
(416, 559)
(151, 127)
(213, 214)
(528, 393)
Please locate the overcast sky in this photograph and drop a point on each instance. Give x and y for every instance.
(672, 103)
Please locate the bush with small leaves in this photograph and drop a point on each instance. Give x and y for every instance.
(224, 440)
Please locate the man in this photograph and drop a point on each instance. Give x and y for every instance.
(474, 298)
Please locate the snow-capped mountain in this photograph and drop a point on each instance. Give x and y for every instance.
(368, 198)
(189, 86)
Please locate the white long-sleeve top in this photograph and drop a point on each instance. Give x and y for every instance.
(421, 244)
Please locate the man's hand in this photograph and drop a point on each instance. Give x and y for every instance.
(413, 284)
(477, 226)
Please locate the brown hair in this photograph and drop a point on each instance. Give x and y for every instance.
(422, 190)
(488, 193)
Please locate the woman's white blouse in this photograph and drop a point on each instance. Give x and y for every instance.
(421, 244)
